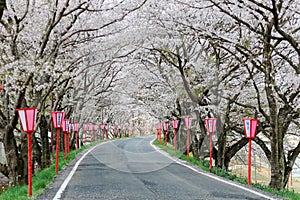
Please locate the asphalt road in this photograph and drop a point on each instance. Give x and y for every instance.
(133, 169)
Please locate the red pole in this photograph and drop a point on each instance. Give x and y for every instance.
(249, 162)
(65, 149)
(188, 143)
(210, 152)
(69, 142)
(106, 134)
(76, 135)
(29, 139)
(57, 149)
(174, 139)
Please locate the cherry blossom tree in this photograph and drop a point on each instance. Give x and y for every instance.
(44, 46)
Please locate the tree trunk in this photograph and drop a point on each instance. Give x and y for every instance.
(12, 154)
(45, 142)
(277, 154)
(2, 7)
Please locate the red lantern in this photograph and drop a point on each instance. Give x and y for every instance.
(210, 124)
(188, 122)
(27, 118)
(250, 125)
(166, 126)
(57, 118)
(65, 129)
(66, 126)
(75, 126)
(175, 123)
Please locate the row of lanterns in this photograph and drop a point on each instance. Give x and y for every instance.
(104, 128)
(250, 125)
(28, 118)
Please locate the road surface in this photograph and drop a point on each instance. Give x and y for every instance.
(133, 169)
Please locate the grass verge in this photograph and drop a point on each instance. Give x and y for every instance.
(41, 179)
(204, 164)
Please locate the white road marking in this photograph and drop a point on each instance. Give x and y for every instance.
(208, 175)
(67, 180)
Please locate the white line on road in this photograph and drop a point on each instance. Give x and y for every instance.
(208, 175)
(67, 180)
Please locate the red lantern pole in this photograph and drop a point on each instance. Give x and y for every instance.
(188, 123)
(65, 146)
(250, 125)
(249, 160)
(75, 129)
(65, 127)
(69, 141)
(57, 150)
(57, 118)
(175, 126)
(27, 118)
(210, 124)
(29, 143)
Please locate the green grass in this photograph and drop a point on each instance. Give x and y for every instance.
(204, 164)
(41, 179)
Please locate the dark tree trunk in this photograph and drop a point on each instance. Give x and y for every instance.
(2, 7)
(46, 158)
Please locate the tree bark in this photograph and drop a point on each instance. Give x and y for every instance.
(46, 158)
(2, 7)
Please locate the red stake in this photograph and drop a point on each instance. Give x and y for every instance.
(249, 162)
(188, 143)
(69, 142)
(57, 149)
(210, 152)
(29, 143)
(76, 135)
(174, 139)
(65, 149)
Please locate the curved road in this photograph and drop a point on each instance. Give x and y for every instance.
(133, 169)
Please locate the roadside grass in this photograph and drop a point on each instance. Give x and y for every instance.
(204, 164)
(42, 179)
